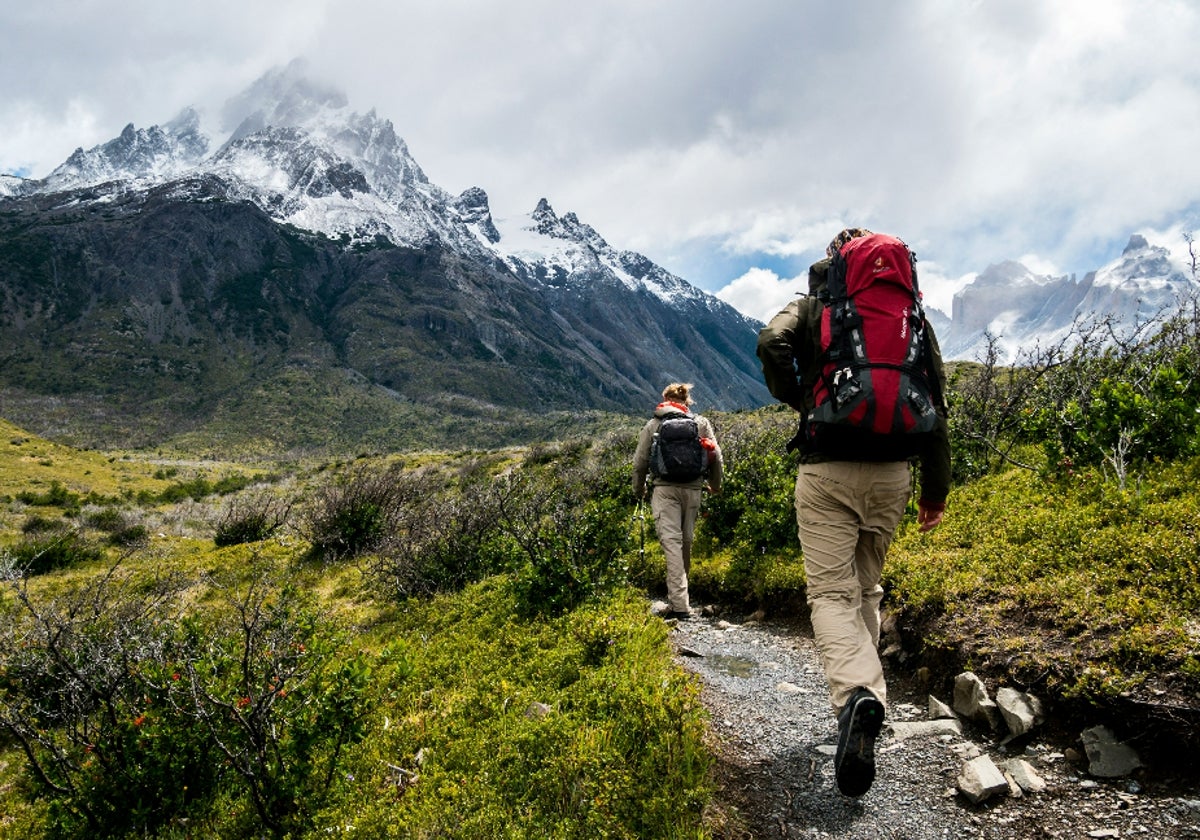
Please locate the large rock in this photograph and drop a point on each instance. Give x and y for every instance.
(1021, 711)
(1108, 757)
(938, 710)
(1026, 778)
(981, 779)
(971, 700)
(915, 728)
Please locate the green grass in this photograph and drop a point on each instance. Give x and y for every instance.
(1090, 590)
(573, 727)
(484, 719)
(479, 719)
(28, 462)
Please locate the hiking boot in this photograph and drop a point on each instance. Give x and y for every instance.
(858, 726)
(679, 615)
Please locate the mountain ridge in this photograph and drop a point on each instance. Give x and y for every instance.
(1021, 310)
(136, 256)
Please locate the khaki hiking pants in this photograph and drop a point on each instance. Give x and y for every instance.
(675, 508)
(847, 513)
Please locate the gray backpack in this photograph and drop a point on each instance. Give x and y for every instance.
(676, 454)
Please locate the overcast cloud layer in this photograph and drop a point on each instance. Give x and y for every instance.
(726, 141)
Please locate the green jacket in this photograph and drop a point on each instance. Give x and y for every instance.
(789, 349)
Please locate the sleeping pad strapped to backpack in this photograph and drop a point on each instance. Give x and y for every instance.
(874, 380)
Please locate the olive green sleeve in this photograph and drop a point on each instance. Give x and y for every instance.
(641, 459)
(776, 351)
(935, 460)
(935, 464)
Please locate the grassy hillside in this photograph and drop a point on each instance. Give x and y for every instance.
(461, 640)
(1070, 586)
(275, 686)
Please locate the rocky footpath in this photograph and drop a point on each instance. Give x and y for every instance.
(947, 767)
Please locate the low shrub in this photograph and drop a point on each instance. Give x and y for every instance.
(754, 511)
(130, 536)
(447, 536)
(251, 518)
(44, 551)
(38, 524)
(136, 713)
(56, 496)
(108, 519)
(357, 512)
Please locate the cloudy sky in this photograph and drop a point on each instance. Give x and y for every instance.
(726, 141)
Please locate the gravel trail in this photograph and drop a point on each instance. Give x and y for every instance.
(775, 736)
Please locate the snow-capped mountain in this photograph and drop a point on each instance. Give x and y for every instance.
(1022, 310)
(291, 233)
(298, 152)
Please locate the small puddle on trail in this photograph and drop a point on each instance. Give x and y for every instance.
(734, 666)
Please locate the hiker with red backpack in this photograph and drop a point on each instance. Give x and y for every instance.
(678, 452)
(860, 363)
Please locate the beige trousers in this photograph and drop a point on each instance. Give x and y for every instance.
(847, 513)
(675, 508)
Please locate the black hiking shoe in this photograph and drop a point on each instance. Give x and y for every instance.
(679, 615)
(858, 726)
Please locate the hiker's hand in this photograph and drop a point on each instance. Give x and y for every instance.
(928, 517)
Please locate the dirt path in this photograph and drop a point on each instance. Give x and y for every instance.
(775, 734)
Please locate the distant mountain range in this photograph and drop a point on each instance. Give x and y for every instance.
(295, 280)
(1023, 310)
(288, 277)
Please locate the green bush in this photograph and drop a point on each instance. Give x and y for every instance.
(251, 518)
(133, 720)
(41, 552)
(755, 510)
(38, 524)
(108, 519)
(447, 536)
(130, 536)
(357, 513)
(573, 550)
(56, 496)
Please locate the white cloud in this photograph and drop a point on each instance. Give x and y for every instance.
(761, 293)
(976, 131)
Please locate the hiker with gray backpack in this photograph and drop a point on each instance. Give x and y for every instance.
(858, 361)
(676, 460)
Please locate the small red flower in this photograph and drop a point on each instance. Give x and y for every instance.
(243, 702)
(139, 720)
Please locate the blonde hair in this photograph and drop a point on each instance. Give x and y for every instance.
(679, 392)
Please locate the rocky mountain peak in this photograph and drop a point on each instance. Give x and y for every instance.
(1022, 309)
(285, 96)
(155, 152)
(1137, 242)
(473, 209)
(339, 257)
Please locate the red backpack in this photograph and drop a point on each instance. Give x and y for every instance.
(874, 348)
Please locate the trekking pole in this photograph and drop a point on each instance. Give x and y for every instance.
(640, 515)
